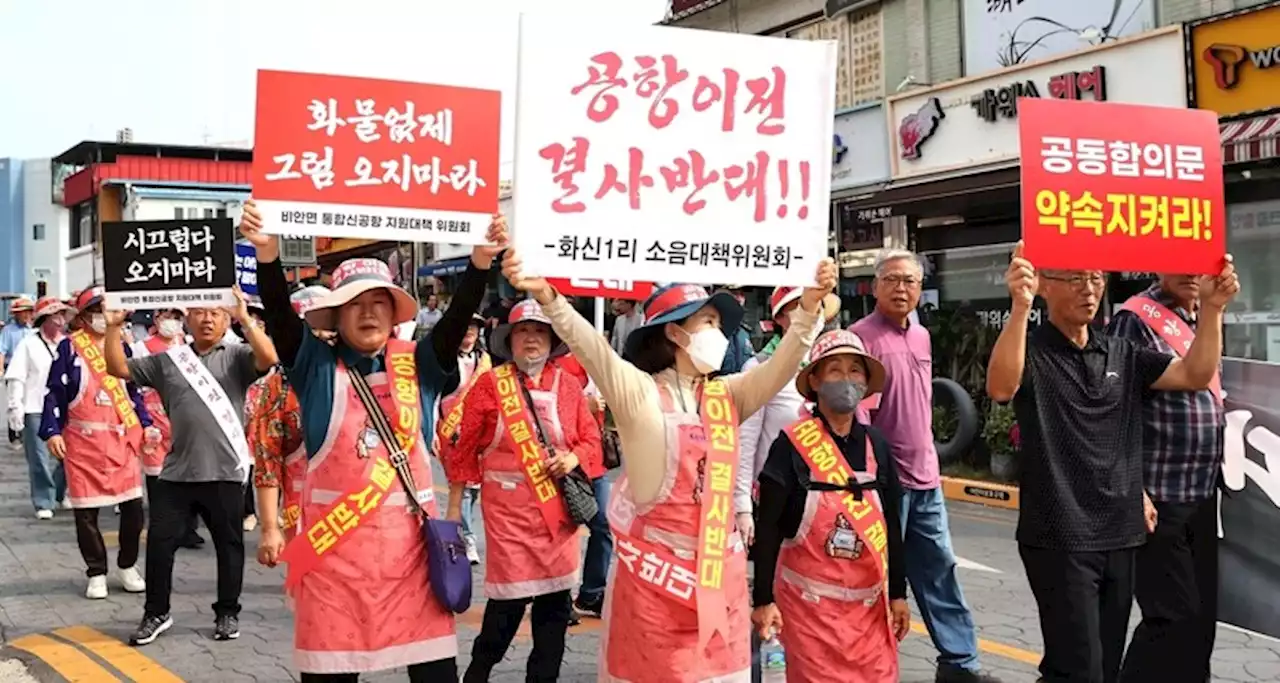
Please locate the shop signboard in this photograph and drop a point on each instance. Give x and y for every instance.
(153, 264)
(660, 154)
(338, 156)
(1003, 33)
(859, 148)
(972, 123)
(1235, 62)
(1118, 187)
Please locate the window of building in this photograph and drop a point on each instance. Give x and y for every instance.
(1253, 320)
(37, 232)
(208, 213)
(81, 225)
(222, 212)
(859, 65)
(178, 213)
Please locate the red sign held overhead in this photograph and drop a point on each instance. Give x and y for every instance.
(610, 289)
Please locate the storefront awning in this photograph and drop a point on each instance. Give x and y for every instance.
(1250, 139)
(454, 266)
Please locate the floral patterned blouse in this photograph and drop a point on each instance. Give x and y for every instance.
(274, 428)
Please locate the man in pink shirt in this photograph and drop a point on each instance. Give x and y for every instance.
(905, 417)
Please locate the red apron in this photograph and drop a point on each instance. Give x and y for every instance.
(153, 455)
(523, 557)
(102, 464)
(831, 592)
(367, 605)
(654, 638)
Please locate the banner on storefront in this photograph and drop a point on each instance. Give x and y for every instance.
(158, 264)
(662, 154)
(1118, 187)
(610, 289)
(337, 156)
(1249, 557)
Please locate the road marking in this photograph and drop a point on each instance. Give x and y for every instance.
(992, 647)
(970, 564)
(129, 661)
(67, 660)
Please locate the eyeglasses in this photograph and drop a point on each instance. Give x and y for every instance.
(1094, 281)
(907, 280)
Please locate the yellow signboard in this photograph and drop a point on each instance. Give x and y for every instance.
(1235, 61)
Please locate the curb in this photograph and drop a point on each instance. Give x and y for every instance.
(980, 492)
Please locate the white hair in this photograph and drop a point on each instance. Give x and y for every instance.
(887, 256)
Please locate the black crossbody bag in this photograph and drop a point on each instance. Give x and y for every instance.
(576, 489)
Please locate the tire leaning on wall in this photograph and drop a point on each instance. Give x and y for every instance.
(948, 393)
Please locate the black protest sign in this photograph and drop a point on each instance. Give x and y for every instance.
(151, 264)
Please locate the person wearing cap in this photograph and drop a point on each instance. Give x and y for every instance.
(362, 600)
(473, 361)
(532, 552)
(828, 538)
(274, 428)
(26, 378)
(740, 350)
(167, 331)
(97, 425)
(12, 334)
(672, 512)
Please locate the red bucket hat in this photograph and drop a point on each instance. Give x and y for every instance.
(527, 311)
(48, 306)
(674, 303)
(784, 295)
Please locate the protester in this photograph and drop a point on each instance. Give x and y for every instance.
(821, 490)
(473, 362)
(12, 334)
(629, 318)
(168, 330)
(905, 417)
(365, 604)
(274, 432)
(429, 316)
(740, 350)
(595, 573)
(660, 400)
(1079, 397)
(532, 552)
(96, 425)
(27, 376)
(257, 319)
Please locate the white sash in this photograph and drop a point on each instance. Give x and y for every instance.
(215, 399)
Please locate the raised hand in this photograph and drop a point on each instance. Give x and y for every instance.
(240, 311)
(496, 237)
(267, 246)
(1021, 278)
(115, 318)
(825, 282)
(513, 270)
(1218, 291)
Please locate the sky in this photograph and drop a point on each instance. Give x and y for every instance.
(182, 71)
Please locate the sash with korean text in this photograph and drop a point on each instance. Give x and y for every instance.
(826, 464)
(215, 399)
(720, 423)
(449, 426)
(334, 527)
(402, 371)
(518, 427)
(1170, 327)
(97, 365)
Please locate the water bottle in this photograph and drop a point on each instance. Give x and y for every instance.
(773, 661)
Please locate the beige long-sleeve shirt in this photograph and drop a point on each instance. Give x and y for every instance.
(632, 395)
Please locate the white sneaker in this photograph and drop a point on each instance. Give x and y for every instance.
(250, 523)
(97, 588)
(131, 580)
(44, 514)
(65, 504)
(473, 555)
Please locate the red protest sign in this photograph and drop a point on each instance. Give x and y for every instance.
(611, 289)
(338, 156)
(1120, 187)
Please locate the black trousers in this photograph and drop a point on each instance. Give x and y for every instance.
(1084, 600)
(1177, 589)
(426, 672)
(94, 550)
(250, 496)
(219, 503)
(193, 519)
(550, 620)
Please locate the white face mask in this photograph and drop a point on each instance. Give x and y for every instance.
(531, 366)
(169, 328)
(98, 323)
(706, 348)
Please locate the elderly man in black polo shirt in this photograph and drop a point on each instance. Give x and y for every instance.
(1079, 398)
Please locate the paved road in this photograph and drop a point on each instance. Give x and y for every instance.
(48, 628)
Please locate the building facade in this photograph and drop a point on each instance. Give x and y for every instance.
(12, 228)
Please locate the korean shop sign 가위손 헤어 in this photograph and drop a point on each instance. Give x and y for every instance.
(338, 156)
(150, 264)
(993, 103)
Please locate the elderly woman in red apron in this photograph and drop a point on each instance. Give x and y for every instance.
(829, 502)
(677, 609)
(527, 423)
(473, 362)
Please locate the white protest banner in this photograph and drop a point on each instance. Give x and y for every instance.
(671, 155)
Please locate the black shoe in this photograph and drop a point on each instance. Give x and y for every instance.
(955, 674)
(592, 607)
(226, 627)
(150, 629)
(192, 542)
(575, 619)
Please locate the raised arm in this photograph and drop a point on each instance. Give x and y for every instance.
(283, 326)
(1009, 356)
(113, 347)
(1195, 370)
(264, 352)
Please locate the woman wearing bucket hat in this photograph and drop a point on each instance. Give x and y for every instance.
(473, 362)
(12, 334)
(678, 427)
(829, 502)
(524, 420)
(363, 599)
(27, 375)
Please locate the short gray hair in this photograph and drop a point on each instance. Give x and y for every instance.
(887, 256)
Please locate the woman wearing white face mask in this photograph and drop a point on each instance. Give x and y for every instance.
(676, 608)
